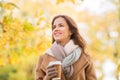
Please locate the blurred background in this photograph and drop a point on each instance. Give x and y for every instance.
(25, 33)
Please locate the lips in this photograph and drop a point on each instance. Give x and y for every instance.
(57, 33)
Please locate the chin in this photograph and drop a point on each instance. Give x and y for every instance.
(58, 41)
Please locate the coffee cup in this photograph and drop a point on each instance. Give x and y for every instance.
(56, 64)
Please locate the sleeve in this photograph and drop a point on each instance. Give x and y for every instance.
(90, 71)
(39, 72)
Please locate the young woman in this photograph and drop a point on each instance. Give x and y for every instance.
(69, 48)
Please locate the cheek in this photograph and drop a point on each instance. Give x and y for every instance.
(67, 34)
(52, 33)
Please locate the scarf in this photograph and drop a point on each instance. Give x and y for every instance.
(68, 55)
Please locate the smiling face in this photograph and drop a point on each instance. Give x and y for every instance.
(61, 32)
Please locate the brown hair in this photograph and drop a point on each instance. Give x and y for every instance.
(76, 37)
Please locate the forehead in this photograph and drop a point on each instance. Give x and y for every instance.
(59, 20)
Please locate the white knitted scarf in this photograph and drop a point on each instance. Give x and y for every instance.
(68, 55)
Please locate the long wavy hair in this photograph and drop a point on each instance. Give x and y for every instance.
(76, 37)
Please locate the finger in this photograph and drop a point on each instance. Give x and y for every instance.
(50, 66)
(51, 69)
(52, 74)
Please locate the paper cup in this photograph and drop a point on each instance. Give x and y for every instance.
(56, 64)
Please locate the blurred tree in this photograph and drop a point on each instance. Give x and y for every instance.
(23, 37)
(19, 40)
(116, 41)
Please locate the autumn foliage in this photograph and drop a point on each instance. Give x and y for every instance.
(25, 33)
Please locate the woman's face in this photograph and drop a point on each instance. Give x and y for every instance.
(61, 32)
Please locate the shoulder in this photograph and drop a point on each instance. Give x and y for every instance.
(45, 57)
(44, 60)
(87, 57)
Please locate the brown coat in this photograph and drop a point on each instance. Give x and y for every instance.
(83, 68)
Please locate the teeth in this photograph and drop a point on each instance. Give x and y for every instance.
(57, 34)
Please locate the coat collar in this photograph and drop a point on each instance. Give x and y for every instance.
(80, 65)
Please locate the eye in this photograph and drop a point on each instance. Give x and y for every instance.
(61, 25)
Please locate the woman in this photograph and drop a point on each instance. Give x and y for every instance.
(69, 48)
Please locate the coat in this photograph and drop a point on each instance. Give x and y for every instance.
(83, 68)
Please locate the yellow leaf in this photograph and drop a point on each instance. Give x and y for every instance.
(10, 6)
(59, 1)
(73, 1)
(2, 62)
(1, 4)
(41, 12)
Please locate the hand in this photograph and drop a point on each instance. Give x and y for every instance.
(51, 72)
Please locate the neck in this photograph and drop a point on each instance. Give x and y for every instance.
(63, 43)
